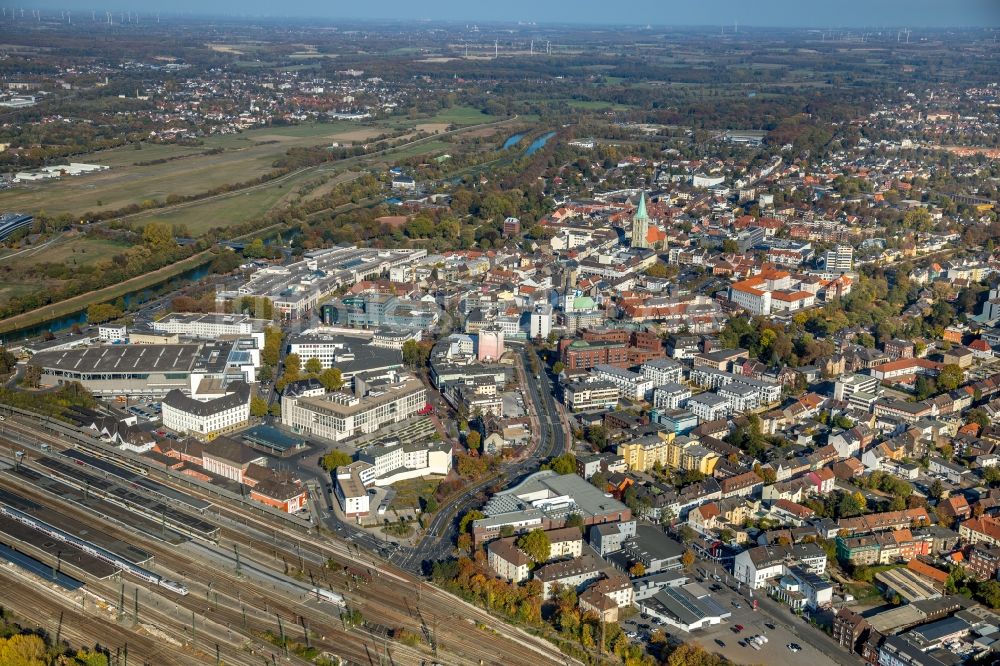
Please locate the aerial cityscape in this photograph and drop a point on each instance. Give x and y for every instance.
(486, 336)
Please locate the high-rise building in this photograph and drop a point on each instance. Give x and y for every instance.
(840, 259)
(640, 224)
(491, 345)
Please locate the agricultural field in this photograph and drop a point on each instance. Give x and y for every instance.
(244, 156)
(594, 105)
(201, 216)
(460, 115)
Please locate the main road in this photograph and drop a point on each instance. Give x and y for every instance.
(551, 437)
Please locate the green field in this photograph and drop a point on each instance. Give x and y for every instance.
(460, 115)
(235, 208)
(245, 156)
(72, 249)
(593, 105)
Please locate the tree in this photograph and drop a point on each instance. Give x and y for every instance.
(272, 346)
(32, 376)
(314, 366)
(98, 313)
(332, 379)
(255, 249)
(979, 416)
(473, 440)
(335, 459)
(687, 534)
(937, 489)
(687, 559)
(658, 270)
(564, 464)
(729, 246)
(158, 236)
(412, 355)
(465, 524)
(637, 569)
(23, 650)
(536, 545)
(558, 367)
(951, 377)
(597, 436)
(258, 406)
(576, 520)
(293, 366)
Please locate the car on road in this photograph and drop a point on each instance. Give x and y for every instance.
(720, 642)
(737, 604)
(769, 625)
(794, 647)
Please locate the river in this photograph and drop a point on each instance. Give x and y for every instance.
(132, 299)
(537, 144)
(512, 141)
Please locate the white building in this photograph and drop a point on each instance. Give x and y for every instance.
(662, 371)
(840, 259)
(540, 323)
(112, 333)
(845, 387)
(582, 396)
(632, 385)
(671, 396)
(756, 566)
(741, 398)
(387, 464)
(211, 326)
(709, 407)
(351, 492)
(339, 415)
(207, 418)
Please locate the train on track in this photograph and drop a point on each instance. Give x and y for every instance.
(91, 549)
(327, 595)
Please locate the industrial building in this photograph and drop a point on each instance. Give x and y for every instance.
(148, 370)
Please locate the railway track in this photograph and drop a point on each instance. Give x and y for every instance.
(252, 604)
(80, 629)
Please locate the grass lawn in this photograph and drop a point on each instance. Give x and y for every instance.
(75, 250)
(409, 492)
(862, 591)
(419, 149)
(11, 289)
(128, 155)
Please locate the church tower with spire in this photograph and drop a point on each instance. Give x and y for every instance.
(640, 224)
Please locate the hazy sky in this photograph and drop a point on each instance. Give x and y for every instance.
(812, 13)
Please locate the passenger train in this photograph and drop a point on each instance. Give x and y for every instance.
(91, 549)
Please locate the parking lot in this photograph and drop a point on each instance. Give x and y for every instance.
(775, 651)
(773, 620)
